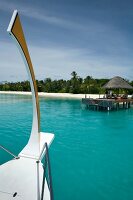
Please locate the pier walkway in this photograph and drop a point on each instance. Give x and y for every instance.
(107, 104)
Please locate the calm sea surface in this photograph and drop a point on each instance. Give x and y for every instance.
(92, 154)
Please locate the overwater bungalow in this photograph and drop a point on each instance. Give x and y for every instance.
(112, 100)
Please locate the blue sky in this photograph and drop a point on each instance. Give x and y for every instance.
(91, 37)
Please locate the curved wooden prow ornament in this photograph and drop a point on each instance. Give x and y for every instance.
(15, 30)
(23, 177)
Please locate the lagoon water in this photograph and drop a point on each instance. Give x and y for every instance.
(92, 154)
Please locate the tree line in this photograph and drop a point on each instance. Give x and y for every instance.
(75, 85)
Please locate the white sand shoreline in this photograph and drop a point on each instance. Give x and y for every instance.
(55, 95)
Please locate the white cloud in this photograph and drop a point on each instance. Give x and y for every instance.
(106, 53)
(58, 63)
(38, 14)
(11, 65)
(90, 27)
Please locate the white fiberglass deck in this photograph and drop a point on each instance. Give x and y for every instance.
(22, 178)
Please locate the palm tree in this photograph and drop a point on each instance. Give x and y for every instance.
(74, 75)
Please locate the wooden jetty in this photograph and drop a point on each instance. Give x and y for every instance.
(107, 104)
(111, 101)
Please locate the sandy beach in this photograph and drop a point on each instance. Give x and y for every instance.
(55, 95)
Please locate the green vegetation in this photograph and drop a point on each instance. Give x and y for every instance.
(75, 85)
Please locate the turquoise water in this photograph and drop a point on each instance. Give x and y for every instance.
(92, 154)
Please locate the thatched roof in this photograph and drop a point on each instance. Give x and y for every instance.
(117, 82)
